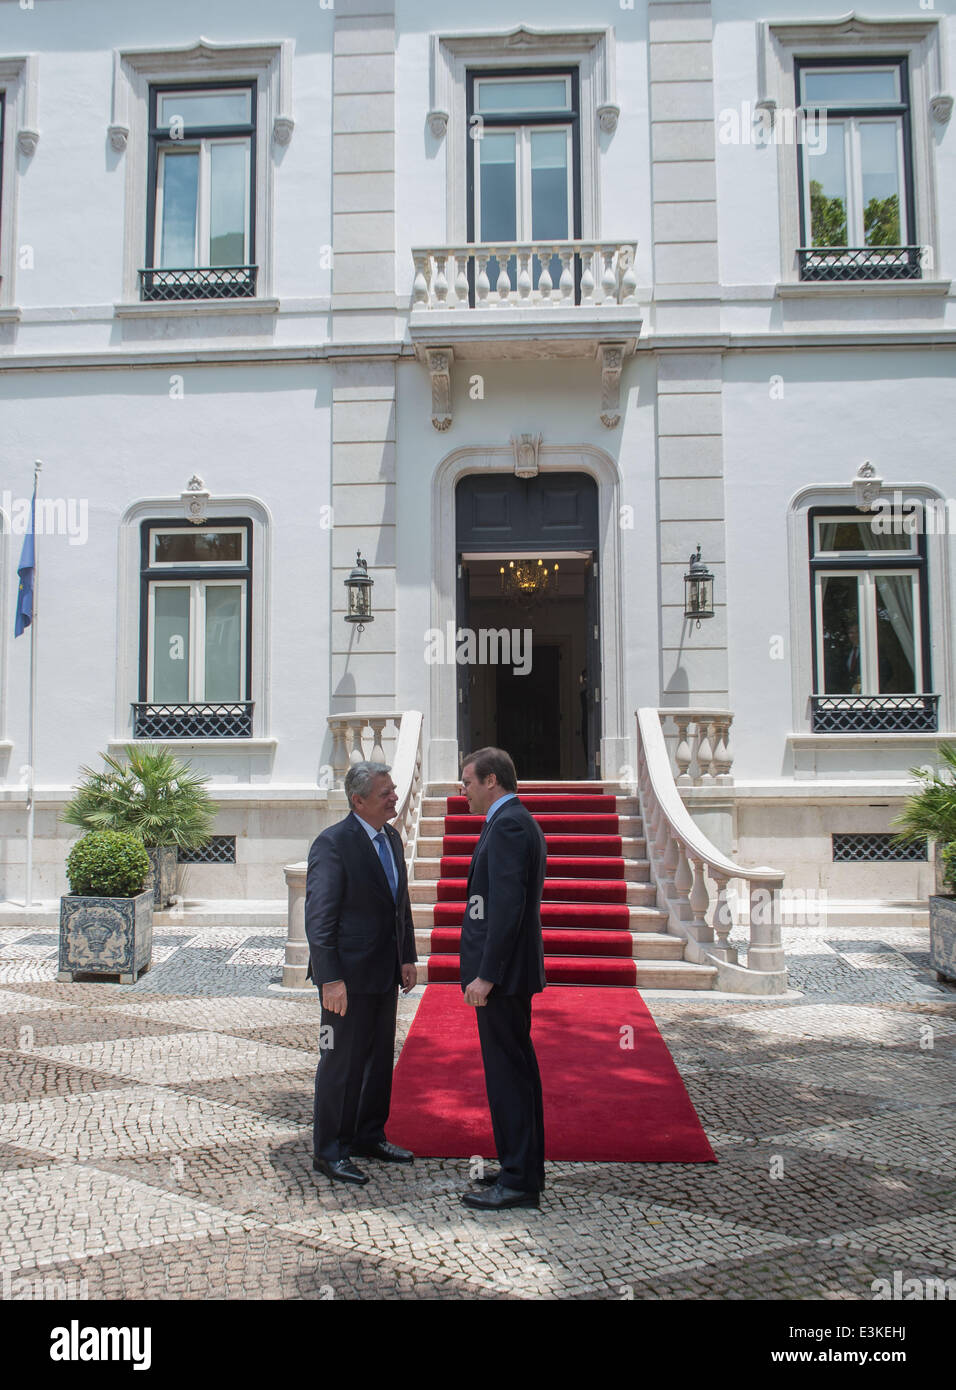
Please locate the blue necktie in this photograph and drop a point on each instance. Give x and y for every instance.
(388, 864)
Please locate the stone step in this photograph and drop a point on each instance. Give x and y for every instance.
(639, 894)
(200, 913)
(571, 788)
(651, 974)
(640, 919)
(627, 826)
(437, 806)
(659, 946)
(635, 870)
(632, 847)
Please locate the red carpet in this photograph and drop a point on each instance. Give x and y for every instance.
(584, 913)
(602, 1103)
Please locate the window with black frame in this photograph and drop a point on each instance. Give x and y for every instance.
(856, 174)
(523, 176)
(200, 240)
(870, 624)
(195, 631)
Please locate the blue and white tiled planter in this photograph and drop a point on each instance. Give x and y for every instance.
(106, 936)
(163, 864)
(942, 936)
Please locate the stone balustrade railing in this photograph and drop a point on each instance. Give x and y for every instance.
(442, 274)
(682, 861)
(701, 746)
(360, 737)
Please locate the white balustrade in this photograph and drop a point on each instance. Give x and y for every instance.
(683, 859)
(441, 278)
(701, 746)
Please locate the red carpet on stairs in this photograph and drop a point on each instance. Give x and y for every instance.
(584, 911)
(603, 1103)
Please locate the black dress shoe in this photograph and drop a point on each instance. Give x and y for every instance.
(500, 1199)
(388, 1153)
(342, 1170)
(490, 1179)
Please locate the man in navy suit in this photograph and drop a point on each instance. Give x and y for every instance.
(358, 920)
(502, 967)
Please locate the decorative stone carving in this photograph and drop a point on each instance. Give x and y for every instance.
(195, 499)
(439, 369)
(611, 357)
(608, 116)
(438, 123)
(941, 108)
(119, 137)
(27, 141)
(282, 128)
(866, 486)
(105, 936)
(527, 449)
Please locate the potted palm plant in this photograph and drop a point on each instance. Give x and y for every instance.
(153, 796)
(106, 921)
(931, 814)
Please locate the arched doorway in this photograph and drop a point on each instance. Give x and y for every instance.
(529, 644)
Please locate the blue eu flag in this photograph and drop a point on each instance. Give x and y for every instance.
(26, 570)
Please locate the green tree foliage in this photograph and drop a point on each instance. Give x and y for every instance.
(881, 222)
(152, 796)
(827, 217)
(931, 812)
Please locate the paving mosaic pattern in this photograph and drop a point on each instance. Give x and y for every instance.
(155, 1143)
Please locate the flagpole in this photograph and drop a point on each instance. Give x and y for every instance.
(31, 725)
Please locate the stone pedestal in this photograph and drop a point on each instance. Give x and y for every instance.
(296, 946)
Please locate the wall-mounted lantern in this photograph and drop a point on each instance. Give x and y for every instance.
(359, 588)
(698, 590)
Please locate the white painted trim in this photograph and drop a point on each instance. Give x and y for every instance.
(133, 72)
(205, 746)
(938, 579)
(18, 82)
(128, 599)
(853, 35)
(442, 738)
(590, 50)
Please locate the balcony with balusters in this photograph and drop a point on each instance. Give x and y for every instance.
(532, 300)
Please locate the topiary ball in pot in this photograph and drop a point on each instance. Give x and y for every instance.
(107, 864)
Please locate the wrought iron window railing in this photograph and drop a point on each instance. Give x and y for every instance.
(860, 262)
(203, 282)
(874, 846)
(220, 850)
(874, 714)
(233, 720)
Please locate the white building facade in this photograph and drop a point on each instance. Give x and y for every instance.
(454, 289)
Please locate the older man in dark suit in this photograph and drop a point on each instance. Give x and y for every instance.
(502, 967)
(358, 920)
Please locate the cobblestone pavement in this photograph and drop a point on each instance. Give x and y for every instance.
(155, 1144)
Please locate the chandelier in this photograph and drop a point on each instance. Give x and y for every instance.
(526, 582)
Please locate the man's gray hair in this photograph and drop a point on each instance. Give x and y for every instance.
(360, 776)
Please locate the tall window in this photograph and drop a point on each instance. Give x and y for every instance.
(523, 162)
(856, 188)
(200, 220)
(871, 648)
(195, 630)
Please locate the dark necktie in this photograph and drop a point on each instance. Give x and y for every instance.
(385, 854)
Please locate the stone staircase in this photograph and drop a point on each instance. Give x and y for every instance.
(599, 916)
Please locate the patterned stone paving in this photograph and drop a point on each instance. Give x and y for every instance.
(155, 1137)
